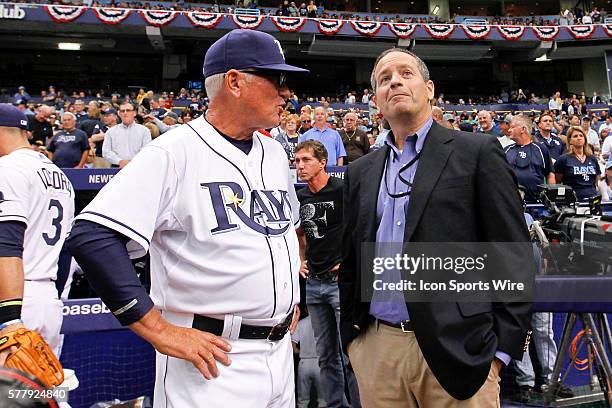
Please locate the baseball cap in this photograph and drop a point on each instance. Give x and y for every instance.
(10, 116)
(586, 118)
(242, 49)
(170, 114)
(448, 116)
(109, 111)
(508, 118)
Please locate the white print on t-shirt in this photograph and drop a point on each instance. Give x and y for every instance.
(314, 218)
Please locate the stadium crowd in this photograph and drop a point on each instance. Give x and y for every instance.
(310, 9)
(83, 131)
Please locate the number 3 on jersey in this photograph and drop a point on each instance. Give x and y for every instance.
(56, 223)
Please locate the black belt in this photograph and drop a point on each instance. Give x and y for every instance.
(405, 325)
(271, 333)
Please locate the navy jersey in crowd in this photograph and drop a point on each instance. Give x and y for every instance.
(68, 147)
(554, 144)
(579, 176)
(531, 164)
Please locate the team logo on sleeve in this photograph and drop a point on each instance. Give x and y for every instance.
(267, 212)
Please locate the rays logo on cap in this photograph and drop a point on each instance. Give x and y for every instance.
(280, 48)
(23, 122)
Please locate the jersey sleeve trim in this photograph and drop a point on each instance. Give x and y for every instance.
(120, 227)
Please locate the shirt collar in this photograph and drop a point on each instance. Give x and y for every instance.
(421, 135)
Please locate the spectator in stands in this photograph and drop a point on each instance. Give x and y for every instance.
(21, 95)
(79, 110)
(305, 123)
(545, 136)
(39, 126)
(606, 145)
(606, 124)
(365, 98)
(169, 121)
(578, 168)
(69, 147)
(329, 137)
(289, 137)
(123, 141)
(350, 99)
(186, 116)
(49, 98)
(592, 136)
(282, 126)
(596, 98)
(356, 143)
(555, 103)
(92, 122)
(293, 10)
(486, 125)
(605, 185)
(437, 114)
(312, 9)
(157, 107)
(529, 160)
(109, 119)
(306, 109)
(448, 121)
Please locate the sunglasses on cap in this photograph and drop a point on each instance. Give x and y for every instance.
(279, 78)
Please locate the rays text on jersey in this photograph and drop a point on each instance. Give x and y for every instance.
(268, 210)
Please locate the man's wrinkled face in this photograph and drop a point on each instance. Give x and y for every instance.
(400, 87)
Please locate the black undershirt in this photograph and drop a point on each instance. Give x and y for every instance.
(244, 145)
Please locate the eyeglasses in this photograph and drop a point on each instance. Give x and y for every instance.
(126, 110)
(277, 77)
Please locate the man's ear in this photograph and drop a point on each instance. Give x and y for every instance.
(232, 81)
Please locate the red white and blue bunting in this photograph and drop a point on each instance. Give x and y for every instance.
(329, 27)
(158, 18)
(476, 32)
(204, 20)
(64, 14)
(439, 31)
(607, 29)
(511, 32)
(248, 22)
(367, 28)
(548, 33)
(581, 32)
(402, 30)
(109, 15)
(288, 24)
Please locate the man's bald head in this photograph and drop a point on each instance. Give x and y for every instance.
(43, 112)
(437, 113)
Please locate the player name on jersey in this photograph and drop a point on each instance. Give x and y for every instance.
(54, 179)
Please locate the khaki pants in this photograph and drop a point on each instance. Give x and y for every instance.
(392, 372)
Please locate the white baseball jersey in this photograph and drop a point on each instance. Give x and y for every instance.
(35, 191)
(219, 224)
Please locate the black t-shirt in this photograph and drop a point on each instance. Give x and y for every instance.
(292, 142)
(321, 220)
(41, 131)
(554, 144)
(579, 176)
(90, 126)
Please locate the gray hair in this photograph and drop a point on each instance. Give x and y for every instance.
(423, 70)
(70, 114)
(213, 85)
(524, 122)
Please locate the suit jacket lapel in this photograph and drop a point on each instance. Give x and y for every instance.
(431, 163)
(369, 193)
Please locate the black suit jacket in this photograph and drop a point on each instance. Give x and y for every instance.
(464, 191)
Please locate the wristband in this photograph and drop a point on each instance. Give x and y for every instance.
(7, 324)
(10, 310)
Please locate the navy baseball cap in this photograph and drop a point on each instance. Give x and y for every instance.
(242, 49)
(10, 116)
(109, 111)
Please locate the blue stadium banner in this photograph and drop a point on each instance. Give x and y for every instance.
(90, 179)
(85, 315)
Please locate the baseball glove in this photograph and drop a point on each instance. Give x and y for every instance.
(33, 356)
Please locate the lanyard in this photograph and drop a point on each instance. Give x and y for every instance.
(402, 179)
